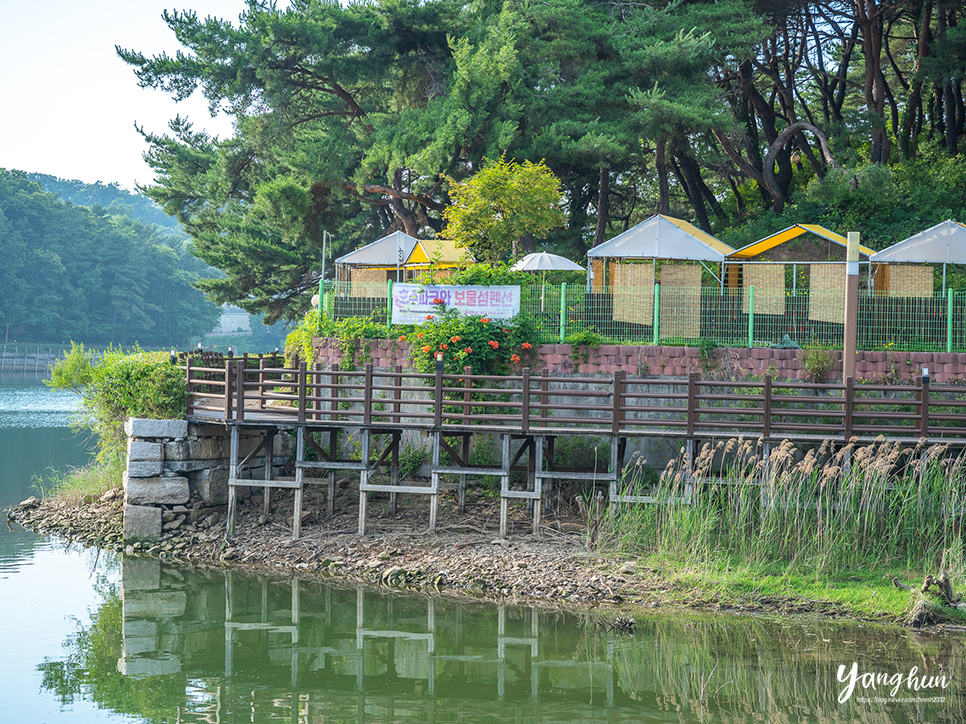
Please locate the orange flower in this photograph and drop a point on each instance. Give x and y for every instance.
(494, 344)
(419, 336)
(443, 345)
(514, 358)
(426, 348)
(454, 340)
(485, 320)
(402, 338)
(429, 317)
(527, 345)
(504, 331)
(467, 350)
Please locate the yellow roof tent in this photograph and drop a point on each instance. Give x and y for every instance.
(438, 253)
(792, 232)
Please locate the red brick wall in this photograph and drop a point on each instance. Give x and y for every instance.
(658, 361)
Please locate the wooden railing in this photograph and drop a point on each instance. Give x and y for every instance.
(255, 391)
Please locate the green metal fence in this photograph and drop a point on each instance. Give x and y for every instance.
(733, 318)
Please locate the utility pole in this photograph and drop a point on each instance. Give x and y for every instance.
(851, 306)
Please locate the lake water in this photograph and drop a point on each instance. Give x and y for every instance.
(97, 637)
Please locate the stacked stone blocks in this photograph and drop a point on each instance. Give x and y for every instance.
(177, 473)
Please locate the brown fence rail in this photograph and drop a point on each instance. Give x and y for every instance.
(257, 390)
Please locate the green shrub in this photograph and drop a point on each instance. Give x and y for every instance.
(119, 386)
(583, 342)
(298, 342)
(817, 364)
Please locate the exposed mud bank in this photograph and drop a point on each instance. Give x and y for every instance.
(465, 556)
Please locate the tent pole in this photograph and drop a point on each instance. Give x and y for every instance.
(944, 277)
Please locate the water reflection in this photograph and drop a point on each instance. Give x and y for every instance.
(208, 646)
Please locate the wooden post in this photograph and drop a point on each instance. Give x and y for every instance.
(692, 403)
(848, 407)
(525, 402)
(616, 417)
(850, 338)
(396, 393)
(228, 390)
(766, 409)
(924, 404)
(240, 390)
(302, 375)
(316, 393)
(189, 407)
(467, 396)
(438, 393)
(544, 391)
(367, 395)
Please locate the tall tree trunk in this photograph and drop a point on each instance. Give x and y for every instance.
(914, 102)
(664, 192)
(603, 206)
(399, 210)
(869, 17)
(693, 189)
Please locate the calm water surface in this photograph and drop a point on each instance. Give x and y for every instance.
(95, 637)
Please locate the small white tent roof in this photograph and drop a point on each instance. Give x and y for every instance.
(940, 244)
(663, 237)
(382, 252)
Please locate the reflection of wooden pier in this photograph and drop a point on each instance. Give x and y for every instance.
(517, 660)
(527, 414)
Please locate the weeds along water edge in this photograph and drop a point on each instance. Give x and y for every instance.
(819, 511)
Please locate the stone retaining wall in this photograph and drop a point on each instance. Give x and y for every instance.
(177, 473)
(661, 361)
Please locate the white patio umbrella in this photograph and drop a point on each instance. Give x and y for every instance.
(543, 261)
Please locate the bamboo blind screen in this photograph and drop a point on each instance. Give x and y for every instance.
(769, 283)
(633, 286)
(368, 282)
(680, 313)
(826, 292)
(904, 280)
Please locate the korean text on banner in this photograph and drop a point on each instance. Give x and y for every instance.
(413, 303)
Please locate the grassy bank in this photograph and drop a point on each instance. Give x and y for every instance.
(90, 481)
(822, 525)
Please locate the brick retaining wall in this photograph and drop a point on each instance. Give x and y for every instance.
(660, 361)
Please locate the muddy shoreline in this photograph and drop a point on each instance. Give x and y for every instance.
(465, 557)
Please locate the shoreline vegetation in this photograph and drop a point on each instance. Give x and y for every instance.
(835, 531)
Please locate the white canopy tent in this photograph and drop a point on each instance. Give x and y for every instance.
(663, 237)
(389, 251)
(944, 243)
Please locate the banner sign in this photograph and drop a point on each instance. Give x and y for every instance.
(412, 303)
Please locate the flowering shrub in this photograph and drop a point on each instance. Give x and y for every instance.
(471, 341)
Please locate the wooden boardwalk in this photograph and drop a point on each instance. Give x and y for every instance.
(526, 413)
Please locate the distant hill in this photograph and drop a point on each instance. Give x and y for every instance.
(111, 197)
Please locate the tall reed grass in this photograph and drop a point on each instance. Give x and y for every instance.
(819, 510)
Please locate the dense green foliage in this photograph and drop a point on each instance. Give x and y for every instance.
(115, 200)
(500, 205)
(115, 386)
(71, 272)
(741, 116)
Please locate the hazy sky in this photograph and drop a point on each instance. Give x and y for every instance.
(70, 104)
